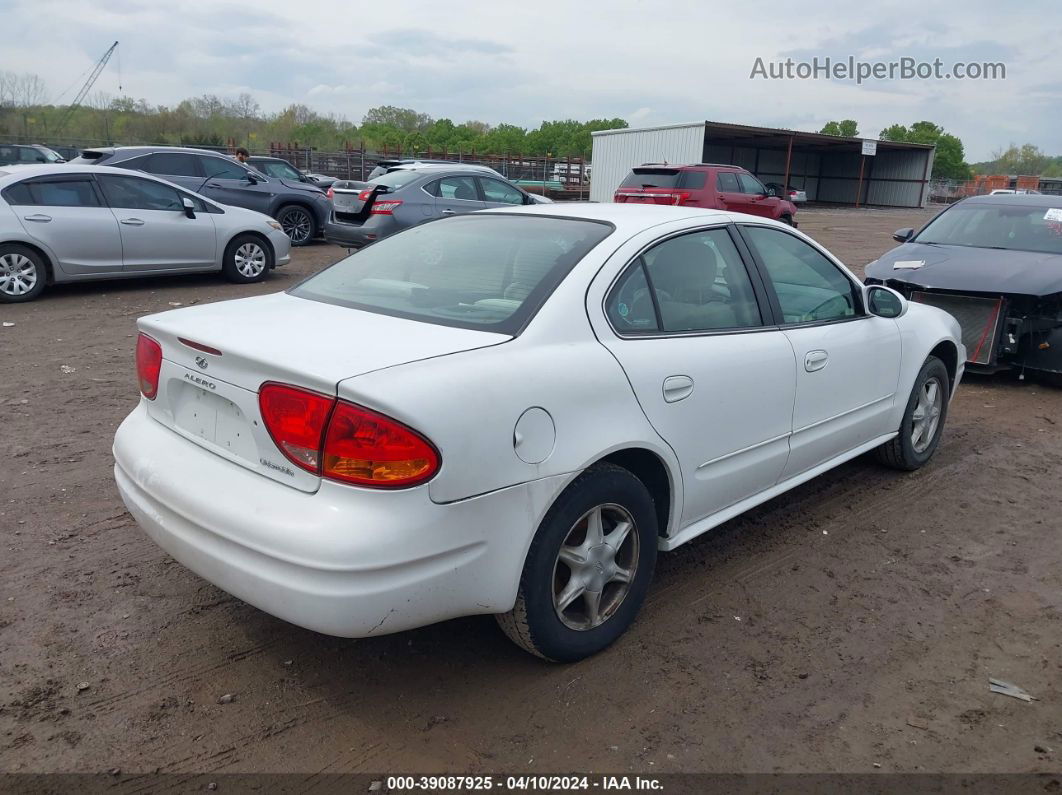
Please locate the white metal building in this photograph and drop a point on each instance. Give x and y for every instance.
(829, 168)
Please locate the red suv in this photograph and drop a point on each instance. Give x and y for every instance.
(708, 185)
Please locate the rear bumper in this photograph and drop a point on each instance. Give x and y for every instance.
(343, 561)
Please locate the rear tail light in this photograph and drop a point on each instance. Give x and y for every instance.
(296, 419)
(386, 207)
(330, 193)
(365, 194)
(680, 197)
(148, 365)
(345, 442)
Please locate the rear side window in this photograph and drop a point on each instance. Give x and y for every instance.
(172, 164)
(694, 180)
(53, 193)
(133, 193)
(489, 272)
(463, 188)
(726, 181)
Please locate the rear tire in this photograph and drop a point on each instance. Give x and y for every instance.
(248, 259)
(923, 420)
(298, 224)
(23, 274)
(582, 587)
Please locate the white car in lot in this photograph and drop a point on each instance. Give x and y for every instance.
(511, 411)
(66, 223)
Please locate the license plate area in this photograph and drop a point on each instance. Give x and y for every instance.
(213, 419)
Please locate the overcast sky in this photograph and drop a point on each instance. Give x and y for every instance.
(650, 62)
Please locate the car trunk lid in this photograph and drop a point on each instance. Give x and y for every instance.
(217, 356)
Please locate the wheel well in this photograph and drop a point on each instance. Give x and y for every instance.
(258, 236)
(48, 266)
(652, 472)
(949, 354)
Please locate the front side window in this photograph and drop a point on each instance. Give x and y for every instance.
(749, 184)
(133, 193)
(171, 164)
(277, 168)
(463, 188)
(699, 283)
(53, 193)
(222, 168)
(809, 287)
(486, 272)
(726, 182)
(497, 191)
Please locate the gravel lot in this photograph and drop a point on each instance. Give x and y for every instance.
(849, 624)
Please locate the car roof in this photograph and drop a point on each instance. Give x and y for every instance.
(632, 217)
(1029, 199)
(189, 150)
(14, 173)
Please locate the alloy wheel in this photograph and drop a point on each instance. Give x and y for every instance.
(595, 567)
(926, 417)
(18, 274)
(297, 225)
(250, 260)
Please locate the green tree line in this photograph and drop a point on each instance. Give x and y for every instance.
(210, 120)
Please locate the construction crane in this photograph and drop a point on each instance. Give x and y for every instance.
(102, 62)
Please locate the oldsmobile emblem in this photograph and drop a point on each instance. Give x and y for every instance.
(201, 362)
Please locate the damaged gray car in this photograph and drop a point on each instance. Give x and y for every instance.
(995, 263)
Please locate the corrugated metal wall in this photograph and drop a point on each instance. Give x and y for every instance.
(617, 151)
(770, 165)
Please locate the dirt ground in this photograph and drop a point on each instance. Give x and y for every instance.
(851, 624)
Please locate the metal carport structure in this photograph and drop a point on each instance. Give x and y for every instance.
(829, 168)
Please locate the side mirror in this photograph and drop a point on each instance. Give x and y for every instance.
(189, 207)
(772, 192)
(903, 235)
(252, 178)
(884, 301)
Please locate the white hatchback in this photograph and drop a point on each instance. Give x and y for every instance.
(511, 411)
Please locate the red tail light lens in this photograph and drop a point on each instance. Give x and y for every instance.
(369, 449)
(331, 194)
(296, 420)
(344, 442)
(385, 207)
(148, 365)
(365, 194)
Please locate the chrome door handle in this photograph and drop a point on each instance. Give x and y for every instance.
(132, 222)
(449, 212)
(213, 185)
(38, 218)
(816, 360)
(677, 387)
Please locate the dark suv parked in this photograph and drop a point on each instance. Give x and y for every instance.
(282, 169)
(12, 154)
(709, 185)
(300, 208)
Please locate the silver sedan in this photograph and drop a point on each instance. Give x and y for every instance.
(76, 223)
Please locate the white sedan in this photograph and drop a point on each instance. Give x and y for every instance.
(511, 411)
(64, 223)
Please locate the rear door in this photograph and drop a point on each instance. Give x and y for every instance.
(690, 325)
(67, 215)
(156, 232)
(847, 361)
(456, 194)
(177, 167)
(728, 188)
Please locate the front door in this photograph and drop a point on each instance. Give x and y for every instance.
(715, 380)
(847, 361)
(499, 194)
(456, 195)
(66, 214)
(156, 232)
(227, 182)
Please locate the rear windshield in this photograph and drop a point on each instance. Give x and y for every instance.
(90, 156)
(663, 178)
(489, 272)
(395, 180)
(1015, 227)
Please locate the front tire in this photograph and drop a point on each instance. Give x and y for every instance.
(923, 420)
(298, 224)
(588, 568)
(248, 259)
(23, 274)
